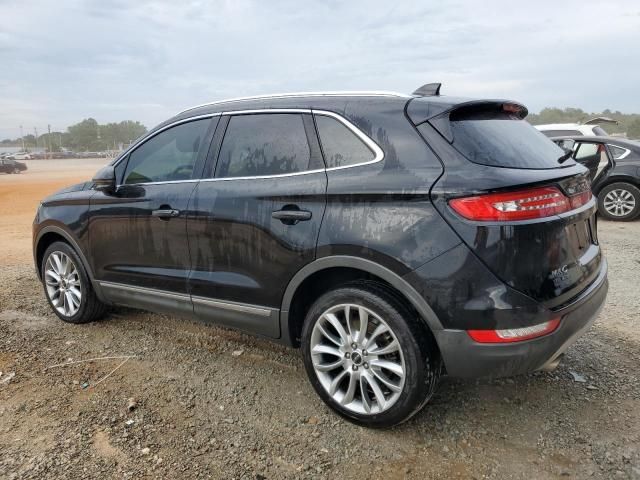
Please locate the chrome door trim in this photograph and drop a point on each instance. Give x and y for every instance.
(233, 306)
(210, 302)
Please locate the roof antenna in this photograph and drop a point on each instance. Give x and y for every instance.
(428, 90)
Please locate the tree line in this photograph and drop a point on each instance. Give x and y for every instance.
(628, 123)
(86, 136)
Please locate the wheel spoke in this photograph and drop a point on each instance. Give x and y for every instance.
(327, 367)
(329, 336)
(377, 391)
(380, 329)
(328, 349)
(333, 320)
(388, 383)
(393, 346)
(351, 390)
(363, 317)
(51, 277)
(336, 381)
(56, 263)
(366, 402)
(387, 365)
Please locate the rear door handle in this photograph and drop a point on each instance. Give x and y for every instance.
(165, 213)
(292, 216)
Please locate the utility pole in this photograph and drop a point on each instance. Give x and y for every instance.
(49, 139)
(35, 133)
(22, 137)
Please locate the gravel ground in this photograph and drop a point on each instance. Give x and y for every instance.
(213, 403)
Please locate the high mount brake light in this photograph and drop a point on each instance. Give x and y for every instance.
(510, 335)
(518, 205)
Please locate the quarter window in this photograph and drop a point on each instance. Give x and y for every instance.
(263, 144)
(168, 156)
(618, 152)
(341, 147)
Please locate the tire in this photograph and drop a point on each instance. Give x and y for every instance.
(72, 309)
(619, 201)
(330, 360)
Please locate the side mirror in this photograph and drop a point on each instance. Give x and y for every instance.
(105, 179)
(567, 144)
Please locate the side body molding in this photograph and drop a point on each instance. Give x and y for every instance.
(365, 265)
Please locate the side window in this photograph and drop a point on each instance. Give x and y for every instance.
(341, 147)
(618, 152)
(586, 151)
(169, 156)
(263, 144)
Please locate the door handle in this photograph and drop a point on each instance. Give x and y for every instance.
(291, 216)
(165, 213)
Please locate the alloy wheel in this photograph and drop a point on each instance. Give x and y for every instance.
(62, 282)
(357, 359)
(619, 202)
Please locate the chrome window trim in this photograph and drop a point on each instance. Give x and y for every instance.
(373, 93)
(626, 153)
(213, 302)
(368, 141)
(372, 145)
(153, 134)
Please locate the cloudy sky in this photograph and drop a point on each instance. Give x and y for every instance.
(65, 60)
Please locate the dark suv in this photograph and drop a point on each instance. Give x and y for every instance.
(391, 237)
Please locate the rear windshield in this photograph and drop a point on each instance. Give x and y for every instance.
(501, 139)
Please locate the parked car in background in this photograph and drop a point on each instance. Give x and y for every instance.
(614, 168)
(20, 156)
(392, 237)
(589, 128)
(11, 166)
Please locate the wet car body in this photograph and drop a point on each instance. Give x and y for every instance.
(224, 257)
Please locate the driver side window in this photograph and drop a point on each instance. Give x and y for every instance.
(168, 156)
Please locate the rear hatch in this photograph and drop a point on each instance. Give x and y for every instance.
(516, 200)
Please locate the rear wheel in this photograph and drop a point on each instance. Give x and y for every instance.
(619, 201)
(367, 355)
(67, 285)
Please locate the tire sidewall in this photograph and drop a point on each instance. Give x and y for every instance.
(85, 284)
(418, 374)
(615, 186)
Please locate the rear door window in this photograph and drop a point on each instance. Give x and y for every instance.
(264, 144)
(340, 145)
(493, 137)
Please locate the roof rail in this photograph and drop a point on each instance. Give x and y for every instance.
(302, 94)
(428, 90)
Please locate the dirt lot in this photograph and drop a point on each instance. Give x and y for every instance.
(216, 403)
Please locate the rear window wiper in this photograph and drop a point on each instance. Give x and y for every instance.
(565, 157)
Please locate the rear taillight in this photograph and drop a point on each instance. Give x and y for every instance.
(518, 205)
(510, 335)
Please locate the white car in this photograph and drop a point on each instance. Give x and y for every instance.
(588, 128)
(20, 156)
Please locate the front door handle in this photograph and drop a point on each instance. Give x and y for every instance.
(291, 216)
(165, 213)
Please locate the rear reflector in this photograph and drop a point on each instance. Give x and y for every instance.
(511, 335)
(518, 205)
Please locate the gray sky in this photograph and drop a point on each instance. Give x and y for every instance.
(62, 61)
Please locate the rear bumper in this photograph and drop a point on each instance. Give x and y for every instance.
(466, 358)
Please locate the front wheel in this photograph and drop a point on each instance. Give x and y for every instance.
(368, 356)
(67, 285)
(619, 201)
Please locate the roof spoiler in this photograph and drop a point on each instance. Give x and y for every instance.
(428, 90)
(596, 120)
